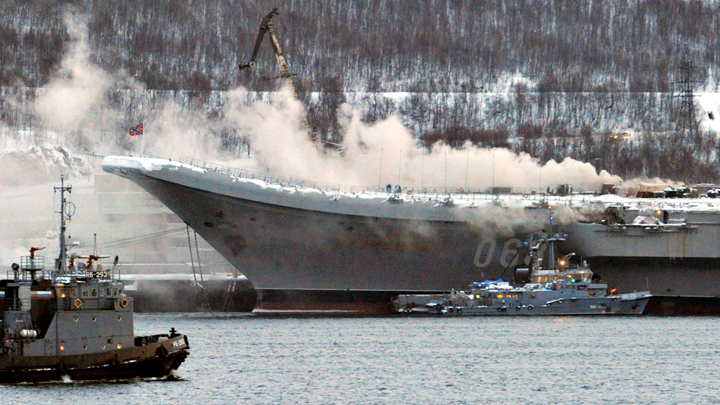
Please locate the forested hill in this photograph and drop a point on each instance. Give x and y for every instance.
(595, 80)
(376, 45)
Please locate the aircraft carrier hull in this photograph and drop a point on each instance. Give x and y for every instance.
(312, 249)
(315, 244)
(279, 247)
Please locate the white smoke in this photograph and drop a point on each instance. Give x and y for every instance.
(70, 100)
(75, 104)
(76, 116)
(387, 153)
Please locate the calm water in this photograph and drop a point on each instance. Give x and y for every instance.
(390, 360)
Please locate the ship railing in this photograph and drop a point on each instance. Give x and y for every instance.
(35, 263)
(440, 193)
(29, 268)
(24, 276)
(274, 178)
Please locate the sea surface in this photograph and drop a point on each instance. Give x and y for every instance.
(259, 359)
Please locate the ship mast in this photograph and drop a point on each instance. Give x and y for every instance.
(61, 262)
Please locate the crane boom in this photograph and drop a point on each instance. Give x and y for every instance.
(267, 26)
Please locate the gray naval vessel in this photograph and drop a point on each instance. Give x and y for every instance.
(316, 246)
(78, 324)
(307, 245)
(559, 290)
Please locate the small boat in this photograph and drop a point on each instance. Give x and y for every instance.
(560, 290)
(76, 322)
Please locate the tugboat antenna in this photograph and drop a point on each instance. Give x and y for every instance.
(61, 264)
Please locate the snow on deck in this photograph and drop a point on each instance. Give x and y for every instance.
(468, 199)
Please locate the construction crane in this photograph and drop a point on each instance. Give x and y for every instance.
(267, 26)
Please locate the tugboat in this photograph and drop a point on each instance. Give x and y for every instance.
(76, 322)
(559, 290)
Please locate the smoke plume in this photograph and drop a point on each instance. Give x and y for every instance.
(85, 109)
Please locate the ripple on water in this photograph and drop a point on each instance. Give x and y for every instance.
(251, 359)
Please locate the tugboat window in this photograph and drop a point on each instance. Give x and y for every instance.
(94, 292)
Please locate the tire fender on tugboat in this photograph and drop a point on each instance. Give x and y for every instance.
(162, 351)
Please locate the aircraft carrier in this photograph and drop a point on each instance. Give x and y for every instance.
(308, 246)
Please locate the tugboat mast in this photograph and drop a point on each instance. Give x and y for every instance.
(61, 262)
